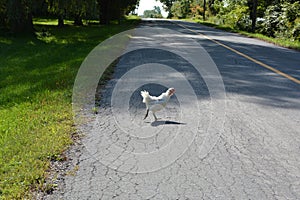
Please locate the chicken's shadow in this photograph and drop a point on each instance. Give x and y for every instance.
(160, 123)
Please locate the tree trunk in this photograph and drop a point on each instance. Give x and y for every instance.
(254, 15)
(61, 13)
(204, 9)
(252, 4)
(29, 24)
(104, 12)
(19, 17)
(61, 21)
(78, 20)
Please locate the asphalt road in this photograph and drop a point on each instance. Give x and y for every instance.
(232, 131)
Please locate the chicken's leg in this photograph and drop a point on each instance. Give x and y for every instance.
(154, 116)
(146, 114)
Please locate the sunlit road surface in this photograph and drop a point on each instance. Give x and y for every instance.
(231, 132)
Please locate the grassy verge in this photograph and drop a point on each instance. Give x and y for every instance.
(36, 79)
(278, 41)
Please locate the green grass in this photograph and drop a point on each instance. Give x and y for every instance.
(278, 41)
(48, 22)
(36, 79)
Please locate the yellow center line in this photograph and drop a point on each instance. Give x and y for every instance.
(295, 80)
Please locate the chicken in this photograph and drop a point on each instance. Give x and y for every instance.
(155, 104)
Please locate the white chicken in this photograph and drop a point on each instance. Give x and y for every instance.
(155, 104)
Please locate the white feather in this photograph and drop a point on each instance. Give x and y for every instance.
(154, 103)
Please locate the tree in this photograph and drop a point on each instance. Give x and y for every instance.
(155, 13)
(59, 9)
(62, 12)
(110, 10)
(19, 16)
(157, 10)
(103, 11)
(181, 9)
(3, 15)
(252, 4)
(77, 10)
(168, 6)
(196, 10)
(92, 11)
(204, 9)
(211, 6)
(282, 21)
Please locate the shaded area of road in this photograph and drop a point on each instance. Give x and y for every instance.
(245, 77)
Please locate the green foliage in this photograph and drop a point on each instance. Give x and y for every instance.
(36, 80)
(197, 10)
(238, 17)
(3, 15)
(233, 13)
(155, 13)
(115, 10)
(167, 6)
(273, 18)
(282, 20)
(279, 41)
(16, 15)
(296, 30)
(181, 9)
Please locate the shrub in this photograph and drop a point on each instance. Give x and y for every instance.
(237, 18)
(281, 21)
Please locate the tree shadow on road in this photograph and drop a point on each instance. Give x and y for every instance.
(245, 78)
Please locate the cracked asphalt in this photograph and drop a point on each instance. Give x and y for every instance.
(248, 136)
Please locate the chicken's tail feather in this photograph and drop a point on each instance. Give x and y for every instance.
(146, 96)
